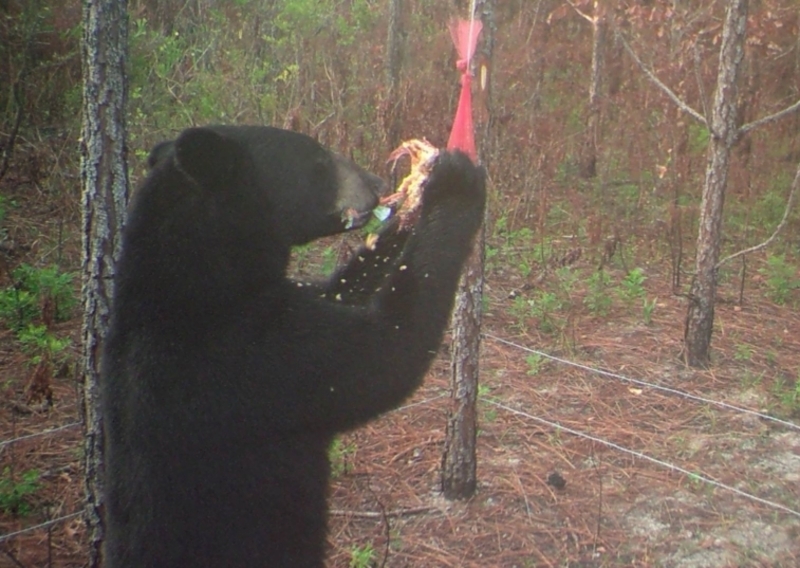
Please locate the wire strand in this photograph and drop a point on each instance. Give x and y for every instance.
(5, 443)
(640, 455)
(641, 383)
(418, 403)
(9, 536)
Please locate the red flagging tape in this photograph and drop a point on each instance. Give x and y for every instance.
(465, 37)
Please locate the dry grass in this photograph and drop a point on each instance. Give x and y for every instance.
(615, 510)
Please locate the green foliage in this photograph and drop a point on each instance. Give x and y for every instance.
(171, 81)
(696, 482)
(42, 345)
(230, 66)
(597, 299)
(339, 454)
(33, 288)
(500, 227)
(301, 253)
(491, 255)
(772, 357)
(14, 494)
(515, 248)
(39, 64)
(525, 266)
(512, 238)
(535, 363)
(567, 279)
(303, 17)
(790, 398)
(17, 307)
(544, 307)
(362, 556)
(328, 260)
(633, 284)
(788, 394)
(699, 136)
(489, 411)
(743, 352)
(50, 282)
(781, 278)
(542, 252)
(770, 207)
(648, 307)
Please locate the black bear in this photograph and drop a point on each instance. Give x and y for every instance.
(224, 382)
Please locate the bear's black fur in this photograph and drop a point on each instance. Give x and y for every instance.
(224, 382)
(315, 192)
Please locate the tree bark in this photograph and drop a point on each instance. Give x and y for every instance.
(459, 460)
(724, 134)
(599, 33)
(104, 175)
(394, 63)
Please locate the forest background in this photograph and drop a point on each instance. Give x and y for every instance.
(596, 181)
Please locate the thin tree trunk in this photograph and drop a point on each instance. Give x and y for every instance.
(599, 32)
(394, 63)
(724, 134)
(459, 460)
(104, 174)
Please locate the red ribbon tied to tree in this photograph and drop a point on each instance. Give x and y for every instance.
(465, 35)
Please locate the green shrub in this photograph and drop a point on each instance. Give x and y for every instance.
(17, 307)
(545, 307)
(338, 455)
(362, 556)
(633, 284)
(598, 300)
(41, 345)
(33, 288)
(14, 494)
(781, 278)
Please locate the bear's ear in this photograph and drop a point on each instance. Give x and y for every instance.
(212, 160)
(160, 153)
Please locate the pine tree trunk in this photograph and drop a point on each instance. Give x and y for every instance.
(394, 63)
(724, 134)
(104, 175)
(588, 168)
(459, 460)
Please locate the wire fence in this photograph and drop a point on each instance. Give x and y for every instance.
(5, 443)
(586, 368)
(44, 525)
(671, 391)
(640, 455)
(51, 522)
(668, 390)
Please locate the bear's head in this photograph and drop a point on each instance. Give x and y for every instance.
(200, 231)
(314, 192)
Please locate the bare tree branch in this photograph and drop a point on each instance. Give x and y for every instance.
(587, 17)
(771, 118)
(650, 75)
(778, 229)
